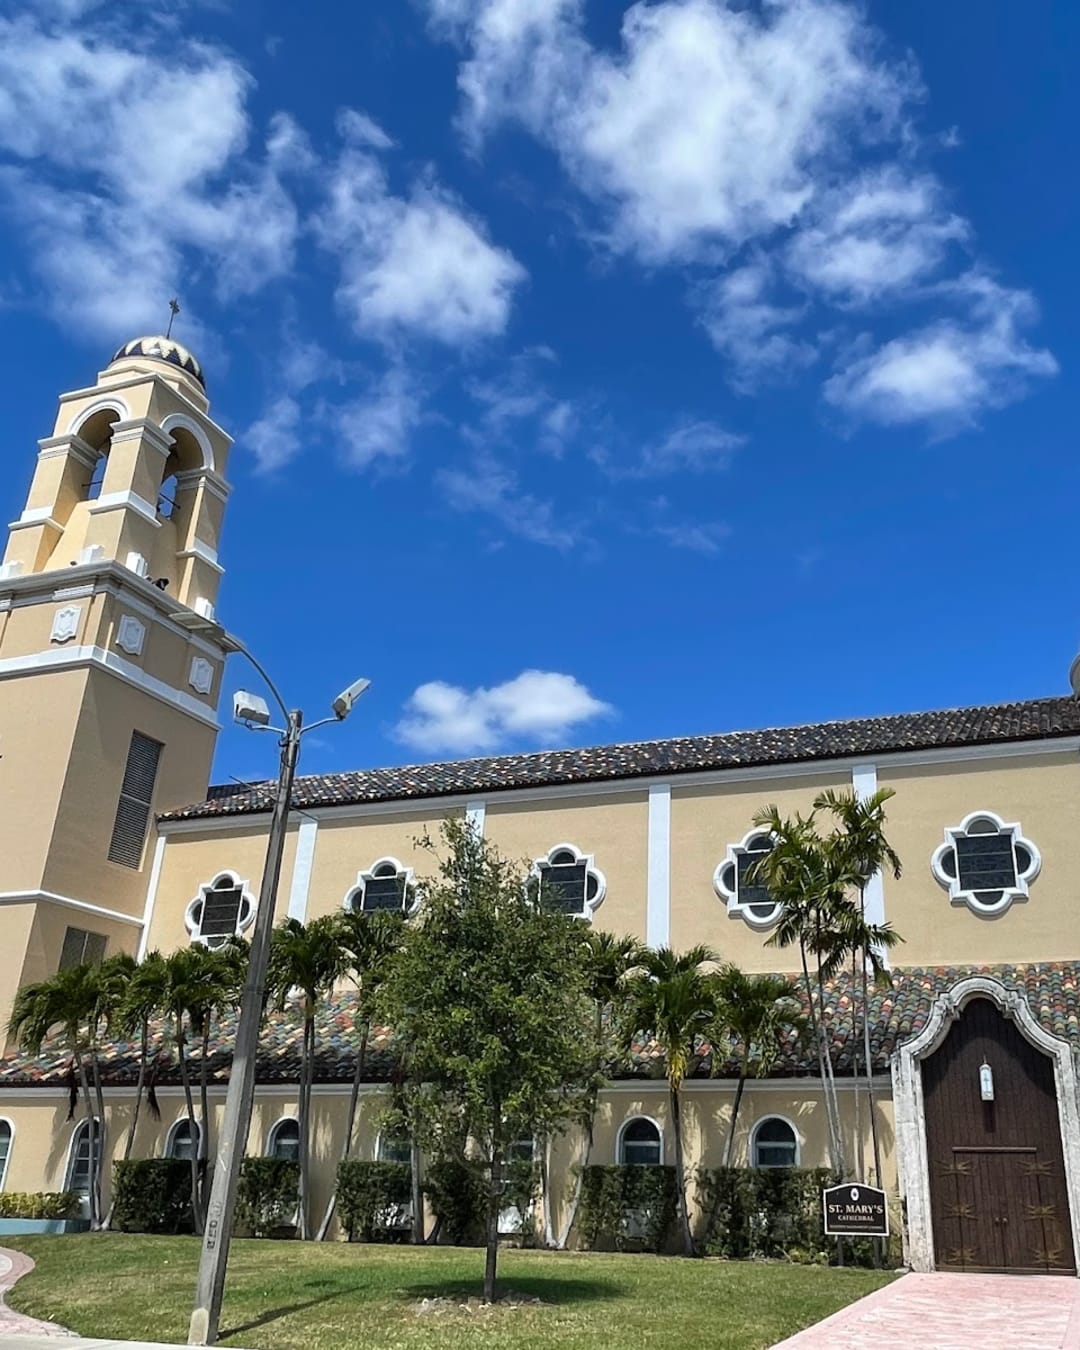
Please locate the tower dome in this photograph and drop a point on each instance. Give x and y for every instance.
(162, 349)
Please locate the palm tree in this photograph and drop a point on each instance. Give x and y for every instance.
(185, 990)
(671, 1001)
(807, 880)
(312, 959)
(753, 1015)
(369, 941)
(861, 837)
(608, 961)
(67, 1000)
(143, 1000)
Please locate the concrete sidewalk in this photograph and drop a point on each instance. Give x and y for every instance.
(955, 1312)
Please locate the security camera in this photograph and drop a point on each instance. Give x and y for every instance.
(343, 704)
(250, 708)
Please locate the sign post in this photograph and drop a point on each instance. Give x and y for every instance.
(854, 1210)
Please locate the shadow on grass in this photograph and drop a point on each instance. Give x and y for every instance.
(544, 1287)
(273, 1314)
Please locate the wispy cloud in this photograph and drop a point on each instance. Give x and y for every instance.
(537, 707)
(489, 487)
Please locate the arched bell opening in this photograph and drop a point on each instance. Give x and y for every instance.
(96, 432)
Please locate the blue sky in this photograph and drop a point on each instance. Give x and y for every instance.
(596, 372)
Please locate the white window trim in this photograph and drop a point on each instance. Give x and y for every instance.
(957, 894)
(619, 1160)
(774, 1115)
(69, 1166)
(730, 894)
(174, 1130)
(378, 1147)
(412, 897)
(6, 1120)
(193, 925)
(591, 870)
(272, 1132)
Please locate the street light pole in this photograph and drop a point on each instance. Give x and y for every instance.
(217, 1235)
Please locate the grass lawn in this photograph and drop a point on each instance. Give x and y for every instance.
(289, 1296)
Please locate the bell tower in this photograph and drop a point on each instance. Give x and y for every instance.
(107, 705)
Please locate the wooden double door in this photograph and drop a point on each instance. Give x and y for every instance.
(999, 1197)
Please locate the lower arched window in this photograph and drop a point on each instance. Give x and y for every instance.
(6, 1135)
(641, 1143)
(78, 1169)
(393, 1147)
(774, 1143)
(183, 1140)
(284, 1141)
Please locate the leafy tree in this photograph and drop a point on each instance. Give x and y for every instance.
(808, 880)
(860, 840)
(487, 997)
(310, 958)
(607, 961)
(369, 940)
(69, 1000)
(754, 1013)
(672, 1001)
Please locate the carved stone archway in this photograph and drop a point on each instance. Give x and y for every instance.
(913, 1163)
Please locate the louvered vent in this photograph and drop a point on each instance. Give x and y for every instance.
(133, 809)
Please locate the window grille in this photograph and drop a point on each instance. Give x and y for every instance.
(136, 794)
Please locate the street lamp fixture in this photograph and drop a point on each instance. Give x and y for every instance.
(253, 712)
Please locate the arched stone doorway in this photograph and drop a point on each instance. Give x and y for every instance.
(987, 1183)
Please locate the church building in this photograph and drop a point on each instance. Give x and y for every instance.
(113, 840)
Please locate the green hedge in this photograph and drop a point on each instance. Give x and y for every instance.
(39, 1205)
(627, 1207)
(766, 1212)
(456, 1189)
(367, 1193)
(152, 1195)
(268, 1195)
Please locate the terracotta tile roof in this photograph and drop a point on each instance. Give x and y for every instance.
(1040, 719)
(898, 1011)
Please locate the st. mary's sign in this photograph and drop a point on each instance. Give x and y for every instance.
(855, 1211)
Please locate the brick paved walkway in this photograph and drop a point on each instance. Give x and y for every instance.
(13, 1266)
(955, 1312)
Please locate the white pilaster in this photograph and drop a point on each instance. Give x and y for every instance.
(474, 814)
(301, 876)
(865, 783)
(658, 902)
(151, 896)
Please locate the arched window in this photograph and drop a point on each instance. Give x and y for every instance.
(166, 502)
(222, 910)
(78, 1168)
(7, 1133)
(183, 1139)
(96, 431)
(284, 1141)
(567, 881)
(386, 885)
(774, 1143)
(393, 1147)
(640, 1143)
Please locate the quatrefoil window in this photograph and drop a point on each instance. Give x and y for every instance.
(733, 881)
(386, 885)
(986, 863)
(568, 882)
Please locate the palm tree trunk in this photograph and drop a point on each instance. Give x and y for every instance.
(185, 1079)
(99, 1097)
(350, 1125)
(729, 1146)
(830, 1077)
(204, 1124)
(304, 1114)
(129, 1142)
(860, 1153)
(491, 1226)
(869, 1067)
(92, 1169)
(680, 1172)
(816, 1031)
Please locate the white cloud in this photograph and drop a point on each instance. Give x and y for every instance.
(949, 372)
(750, 329)
(712, 123)
(377, 428)
(274, 438)
(537, 706)
(517, 404)
(489, 487)
(706, 538)
(698, 446)
(879, 235)
(159, 141)
(419, 265)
